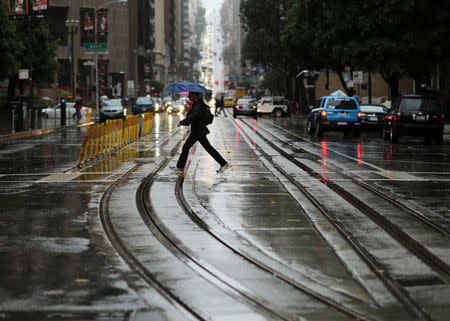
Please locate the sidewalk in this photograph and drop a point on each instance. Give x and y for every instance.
(45, 126)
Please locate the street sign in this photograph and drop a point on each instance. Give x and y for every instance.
(23, 73)
(96, 46)
(357, 77)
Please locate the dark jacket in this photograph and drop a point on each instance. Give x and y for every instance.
(195, 118)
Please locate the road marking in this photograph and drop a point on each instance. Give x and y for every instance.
(59, 178)
(394, 175)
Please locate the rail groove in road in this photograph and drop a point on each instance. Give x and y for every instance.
(179, 250)
(126, 255)
(378, 269)
(439, 266)
(275, 273)
(409, 210)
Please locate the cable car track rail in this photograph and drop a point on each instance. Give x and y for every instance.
(430, 259)
(124, 252)
(390, 199)
(171, 242)
(377, 268)
(275, 273)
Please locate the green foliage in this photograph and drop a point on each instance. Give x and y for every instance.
(275, 81)
(396, 38)
(11, 47)
(26, 44)
(39, 55)
(262, 21)
(157, 85)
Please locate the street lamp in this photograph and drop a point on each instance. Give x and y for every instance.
(124, 2)
(72, 24)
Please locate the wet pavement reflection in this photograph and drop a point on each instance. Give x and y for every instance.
(55, 256)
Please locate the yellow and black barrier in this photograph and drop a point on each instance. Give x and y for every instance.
(109, 137)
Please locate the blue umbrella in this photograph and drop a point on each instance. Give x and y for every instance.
(183, 86)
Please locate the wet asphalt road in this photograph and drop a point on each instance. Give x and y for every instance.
(57, 262)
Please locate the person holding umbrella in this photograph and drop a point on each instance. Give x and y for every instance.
(195, 119)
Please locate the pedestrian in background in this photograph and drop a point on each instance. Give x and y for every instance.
(78, 106)
(221, 107)
(195, 119)
(217, 103)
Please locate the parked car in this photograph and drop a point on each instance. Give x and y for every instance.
(143, 104)
(340, 113)
(419, 114)
(55, 111)
(245, 106)
(273, 105)
(112, 109)
(228, 101)
(372, 116)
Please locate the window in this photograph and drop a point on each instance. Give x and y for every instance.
(342, 103)
(143, 100)
(421, 104)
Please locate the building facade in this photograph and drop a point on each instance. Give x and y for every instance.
(142, 37)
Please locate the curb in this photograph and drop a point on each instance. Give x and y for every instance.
(39, 132)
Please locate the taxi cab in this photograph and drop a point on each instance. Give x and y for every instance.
(228, 102)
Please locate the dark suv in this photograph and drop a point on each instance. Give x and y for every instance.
(419, 114)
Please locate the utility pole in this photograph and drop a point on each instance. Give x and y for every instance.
(72, 24)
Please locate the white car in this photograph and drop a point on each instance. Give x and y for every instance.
(55, 111)
(176, 106)
(274, 105)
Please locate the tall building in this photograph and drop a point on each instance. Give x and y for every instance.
(143, 39)
(77, 26)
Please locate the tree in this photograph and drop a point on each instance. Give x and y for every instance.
(157, 86)
(25, 44)
(396, 38)
(11, 47)
(262, 21)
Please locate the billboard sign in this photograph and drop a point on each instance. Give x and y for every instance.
(18, 9)
(102, 26)
(39, 8)
(87, 17)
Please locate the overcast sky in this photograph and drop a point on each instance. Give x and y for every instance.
(212, 4)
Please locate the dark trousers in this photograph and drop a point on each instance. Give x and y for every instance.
(221, 109)
(190, 141)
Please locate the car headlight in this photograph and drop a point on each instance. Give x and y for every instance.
(124, 111)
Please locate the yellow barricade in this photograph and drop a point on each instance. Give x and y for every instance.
(108, 138)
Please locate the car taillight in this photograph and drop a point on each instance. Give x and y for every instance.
(237, 106)
(323, 113)
(442, 118)
(397, 116)
(254, 107)
(359, 114)
(389, 117)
